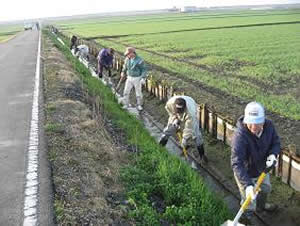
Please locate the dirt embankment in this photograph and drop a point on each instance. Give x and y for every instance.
(85, 159)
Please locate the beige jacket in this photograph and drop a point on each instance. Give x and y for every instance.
(189, 119)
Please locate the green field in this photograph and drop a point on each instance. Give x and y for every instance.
(250, 54)
(8, 31)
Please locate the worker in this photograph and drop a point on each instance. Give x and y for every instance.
(182, 112)
(135, 70)
(255, 146)
(105, 60)
(73, 42)
(82, 51)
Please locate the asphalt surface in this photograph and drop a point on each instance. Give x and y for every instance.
(18, 59)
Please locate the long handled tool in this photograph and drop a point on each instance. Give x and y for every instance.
(246, 203)
(179, 134)
(122, 79)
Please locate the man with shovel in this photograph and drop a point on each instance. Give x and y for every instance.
(182, 112)
(134, 69)
(255, 147)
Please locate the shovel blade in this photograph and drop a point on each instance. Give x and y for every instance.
(230, 223)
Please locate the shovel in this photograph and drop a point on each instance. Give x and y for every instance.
(122, 79)
(184, 149)
(246, 203)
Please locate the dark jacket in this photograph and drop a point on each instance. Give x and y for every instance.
(249, 153)
(105, 58)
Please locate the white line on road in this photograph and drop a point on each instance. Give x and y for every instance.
(32, 182)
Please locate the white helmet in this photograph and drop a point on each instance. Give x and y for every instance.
(254, 113)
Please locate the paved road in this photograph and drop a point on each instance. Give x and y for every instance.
(18, 59)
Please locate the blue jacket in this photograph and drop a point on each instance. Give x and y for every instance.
(249, 153)
(105, 58)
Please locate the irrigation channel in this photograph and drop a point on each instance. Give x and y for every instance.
(155, 128)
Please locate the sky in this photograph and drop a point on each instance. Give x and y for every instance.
(26, 9)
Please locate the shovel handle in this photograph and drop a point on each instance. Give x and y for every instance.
(260, 181)
(180, 139)
(248, 200)
(120, 82)
(257, 186)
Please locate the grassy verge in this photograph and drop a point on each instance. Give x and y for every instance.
(85, 160)
(8, 31)
(5, 38)
(160, 188)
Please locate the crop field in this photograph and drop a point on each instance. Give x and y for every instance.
(7, 31)
(116, 26)
(249, 54)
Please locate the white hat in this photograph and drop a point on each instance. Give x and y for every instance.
(254, 113)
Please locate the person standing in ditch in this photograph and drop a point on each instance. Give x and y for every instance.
(135, 70)
(255, 146)
(105, 60)
(82, 51)
(182, 112)
(73, 42)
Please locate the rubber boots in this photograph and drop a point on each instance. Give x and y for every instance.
(262, 205)
(202, 154)
(247, 216)
(163, 140)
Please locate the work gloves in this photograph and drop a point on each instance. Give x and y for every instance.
(123, 75)
(163, 140)
(184, 143)
(271, 161)
(176, 123)
(250, 192)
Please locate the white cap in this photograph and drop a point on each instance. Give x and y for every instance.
(254, 113)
